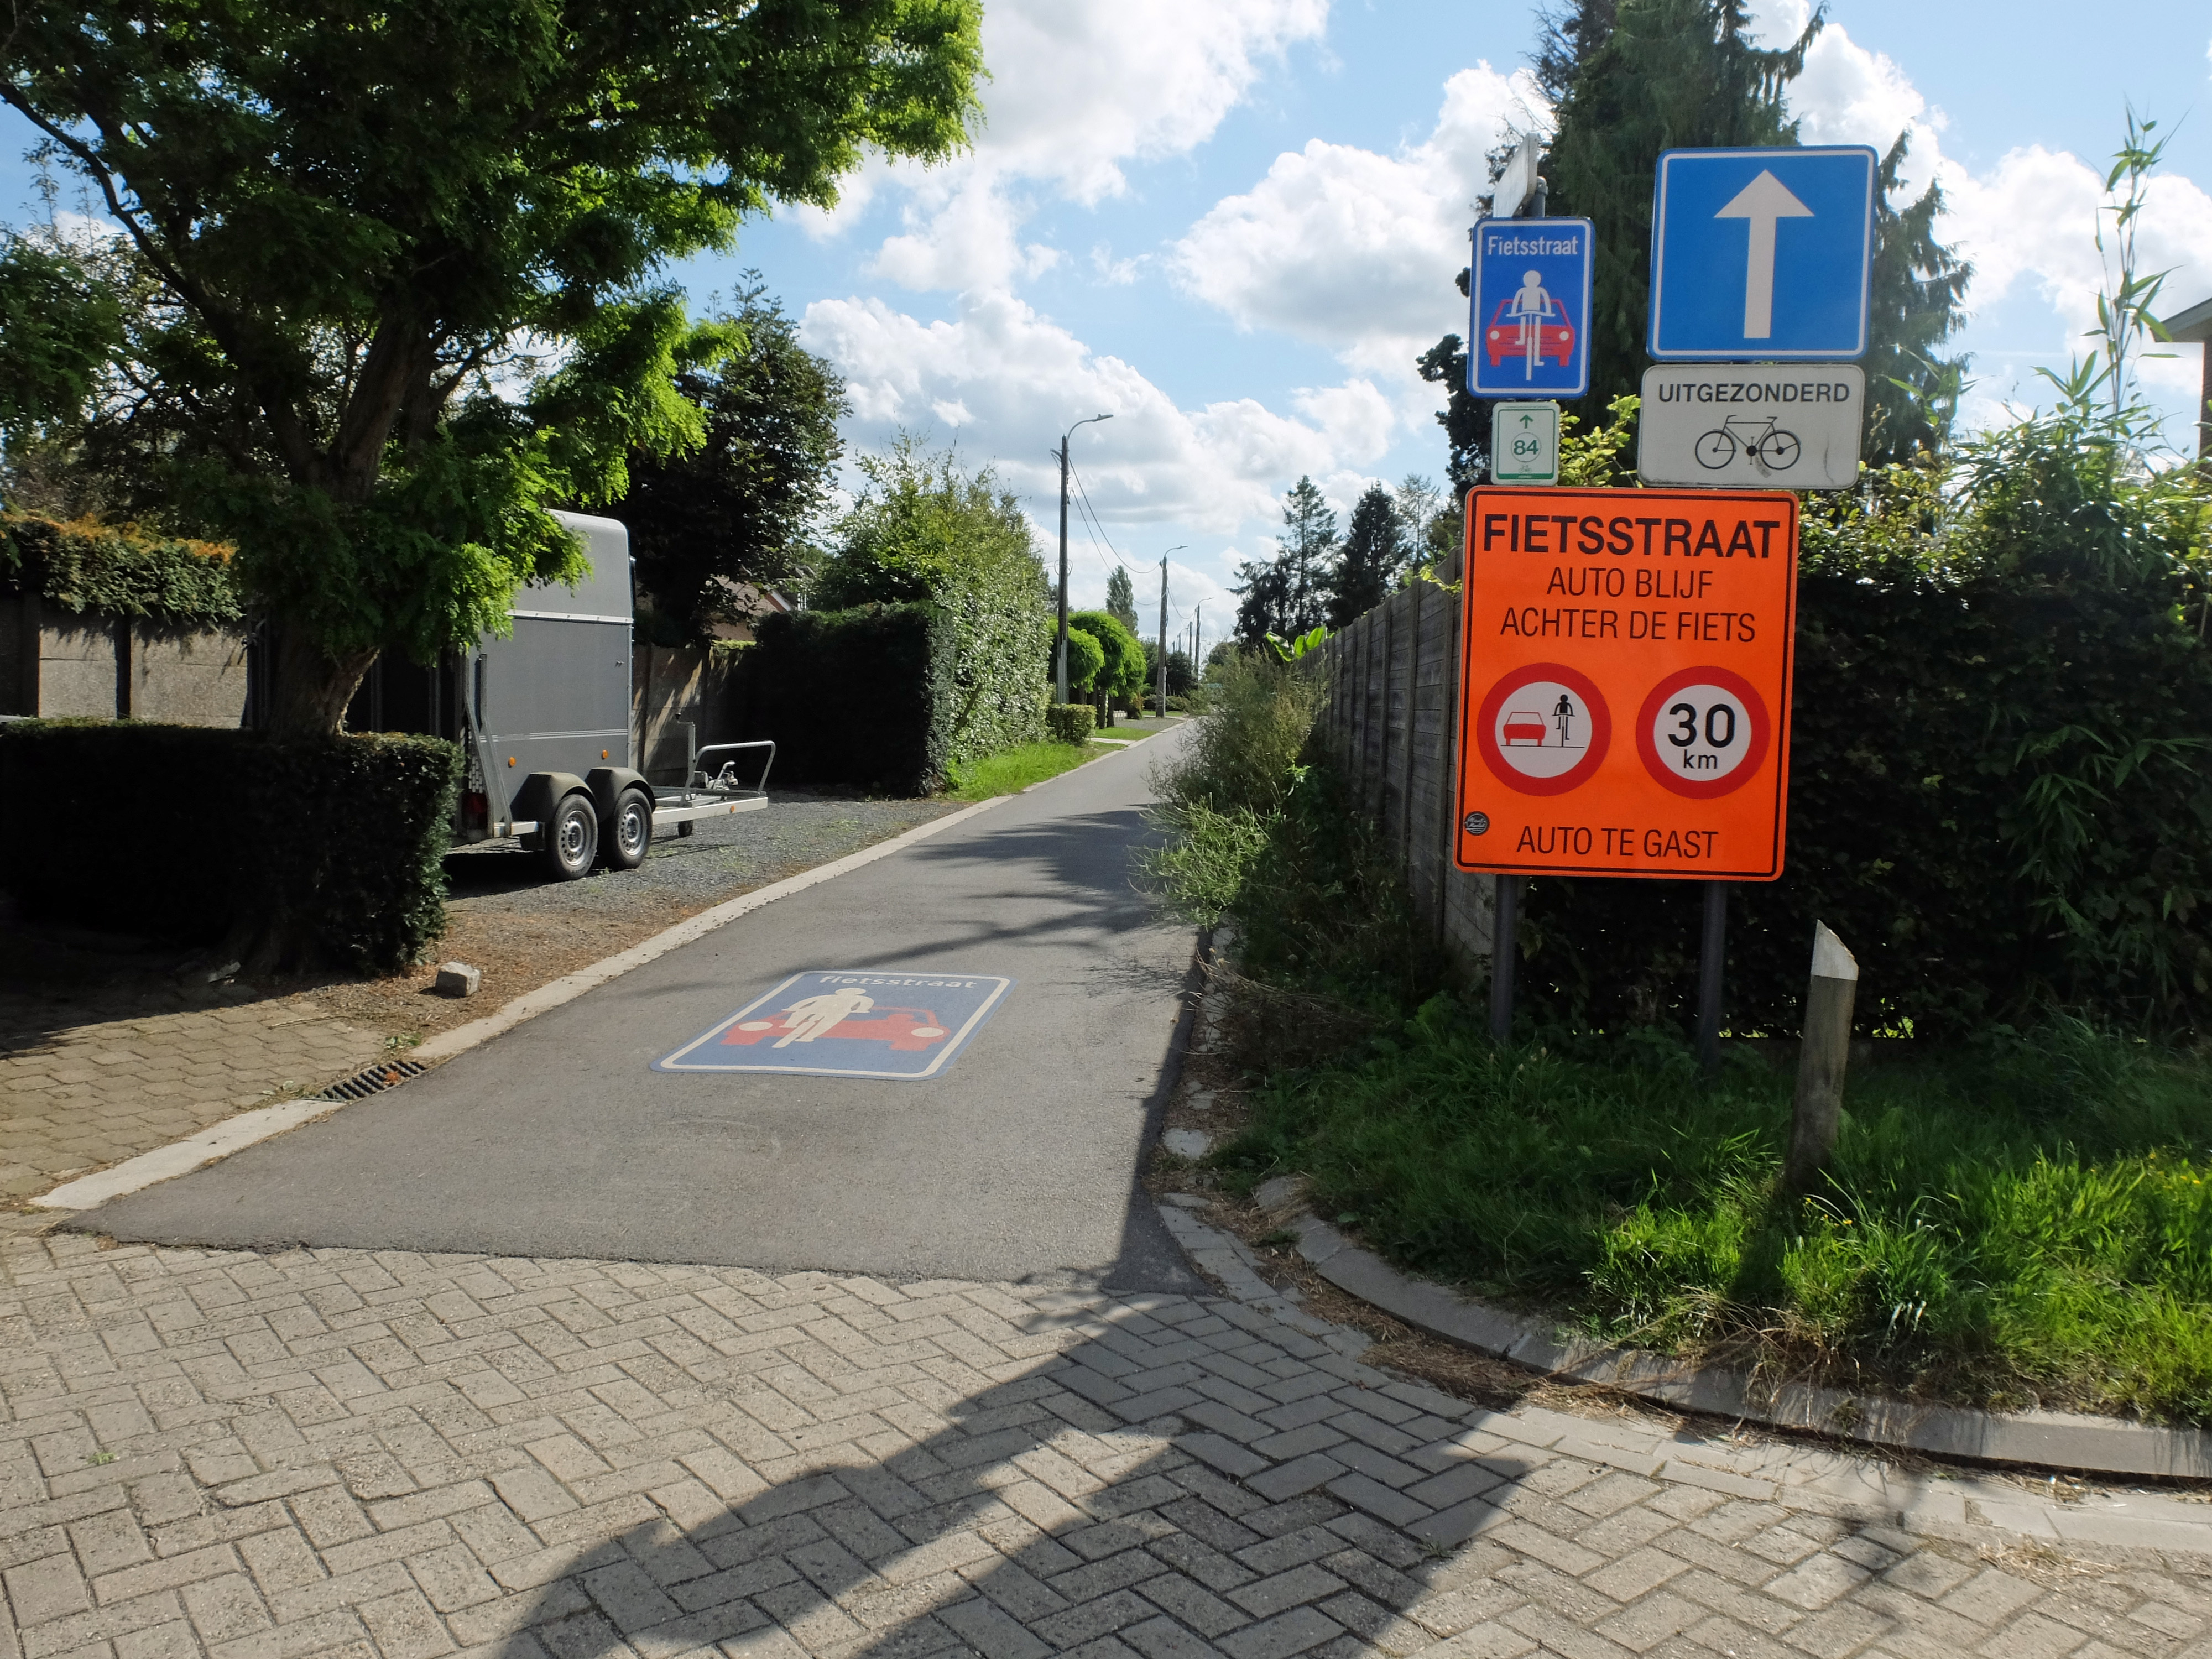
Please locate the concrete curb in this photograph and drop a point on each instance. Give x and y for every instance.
(1955, 1504)
(211, 1145)
(2058, 1440)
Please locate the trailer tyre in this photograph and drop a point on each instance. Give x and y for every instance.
(570, 839)
(629, 830)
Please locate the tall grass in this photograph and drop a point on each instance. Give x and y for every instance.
(1017, 768)
(2028, 1220)
(1261, 831)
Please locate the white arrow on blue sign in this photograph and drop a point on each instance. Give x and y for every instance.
(1762, 255)
(1528, 297)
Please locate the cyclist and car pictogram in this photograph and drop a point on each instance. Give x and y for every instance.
(855, 1024)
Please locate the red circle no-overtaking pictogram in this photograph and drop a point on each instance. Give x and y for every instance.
(1543, 729)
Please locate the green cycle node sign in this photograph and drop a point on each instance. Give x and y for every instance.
(1524, 443)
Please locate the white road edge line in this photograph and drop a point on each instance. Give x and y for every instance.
(219, 1141)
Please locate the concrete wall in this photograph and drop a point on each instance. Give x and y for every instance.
(57, 664)
(1392, 722)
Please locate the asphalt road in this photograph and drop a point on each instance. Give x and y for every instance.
(1018, 1163)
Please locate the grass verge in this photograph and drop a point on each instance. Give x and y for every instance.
(1010, 770)
(2028, 1221)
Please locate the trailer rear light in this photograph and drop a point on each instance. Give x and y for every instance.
(476, 813)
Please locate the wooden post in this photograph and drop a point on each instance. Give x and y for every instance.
(1822, 1056)
(1412, 709)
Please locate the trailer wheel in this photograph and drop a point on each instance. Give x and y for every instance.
(629, 830)
(570, 839)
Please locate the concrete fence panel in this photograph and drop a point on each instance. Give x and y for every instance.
(1391, 722)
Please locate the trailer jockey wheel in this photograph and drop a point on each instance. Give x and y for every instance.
(570, 839)
(628, 832)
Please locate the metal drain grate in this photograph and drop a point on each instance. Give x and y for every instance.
(374, 1080)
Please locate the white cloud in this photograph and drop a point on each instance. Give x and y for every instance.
(1117, 273)
(1077, 93)
(1019, 379)
(1353, 250)
(964, 233)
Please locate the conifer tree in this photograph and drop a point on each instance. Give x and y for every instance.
(1627, 79)
(1287, 594)
(1121, 600)
(1666, 75)
(1374, 552)
(1918, 302)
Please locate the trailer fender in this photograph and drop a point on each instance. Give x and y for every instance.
(606, 782)
(542, 792)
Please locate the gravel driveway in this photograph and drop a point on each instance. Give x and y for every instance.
(505, 916)
(798, 829)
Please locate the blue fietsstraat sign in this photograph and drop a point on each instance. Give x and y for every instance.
(861, 1024)
(1762, 255)
(1529, 293)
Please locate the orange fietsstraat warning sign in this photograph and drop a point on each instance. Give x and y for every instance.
(1625, 682)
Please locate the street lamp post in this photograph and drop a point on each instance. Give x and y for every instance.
(1060, 652)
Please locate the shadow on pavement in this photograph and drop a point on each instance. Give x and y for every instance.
(950, 1468)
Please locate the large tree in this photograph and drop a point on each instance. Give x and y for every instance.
(1121, 599)
(1627, 79)
(59, 328)
(1657, 75)
(1373, 554)
(353, 213)
(925, 528)
(735, 513)
(1918, 302)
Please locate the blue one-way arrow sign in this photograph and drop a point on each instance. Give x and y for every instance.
(1762, 254)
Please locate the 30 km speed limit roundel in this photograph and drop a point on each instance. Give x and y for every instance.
(1669, 615)
(1703, 732)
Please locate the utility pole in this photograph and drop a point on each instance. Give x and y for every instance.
(1164, 636)
(1059, 650)
(1163, 629)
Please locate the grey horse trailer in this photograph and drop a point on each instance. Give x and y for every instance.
(543, 718)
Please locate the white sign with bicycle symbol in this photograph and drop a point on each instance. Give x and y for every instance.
(1765, 426)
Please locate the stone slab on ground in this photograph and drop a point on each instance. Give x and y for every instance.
(399, 1456)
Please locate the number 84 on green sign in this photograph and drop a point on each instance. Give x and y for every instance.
(1524, 443)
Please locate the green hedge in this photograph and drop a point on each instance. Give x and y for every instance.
(1070, 722)
(2001, 773)
(120, 571)
(869, 697)
(296, 850)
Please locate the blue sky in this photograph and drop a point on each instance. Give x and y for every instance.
(1232, 224)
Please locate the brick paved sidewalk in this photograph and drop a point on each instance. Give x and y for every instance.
(77, 1097)
(360, 1453)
